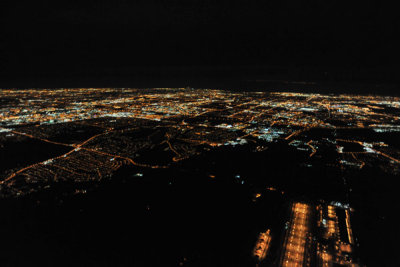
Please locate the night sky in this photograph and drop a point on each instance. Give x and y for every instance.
(96, 37)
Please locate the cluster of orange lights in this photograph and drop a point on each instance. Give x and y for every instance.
(295, 243)
(262, 245)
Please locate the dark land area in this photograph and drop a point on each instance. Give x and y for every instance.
(32, 151)
(182, 216)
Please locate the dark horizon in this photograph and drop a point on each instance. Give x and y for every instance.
(191, 42)
(242, 78)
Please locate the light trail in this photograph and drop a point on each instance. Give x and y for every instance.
(361, 162)
(312, 147)
(170, 146)
(296, 133)
(34, 137)
(348, 226)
